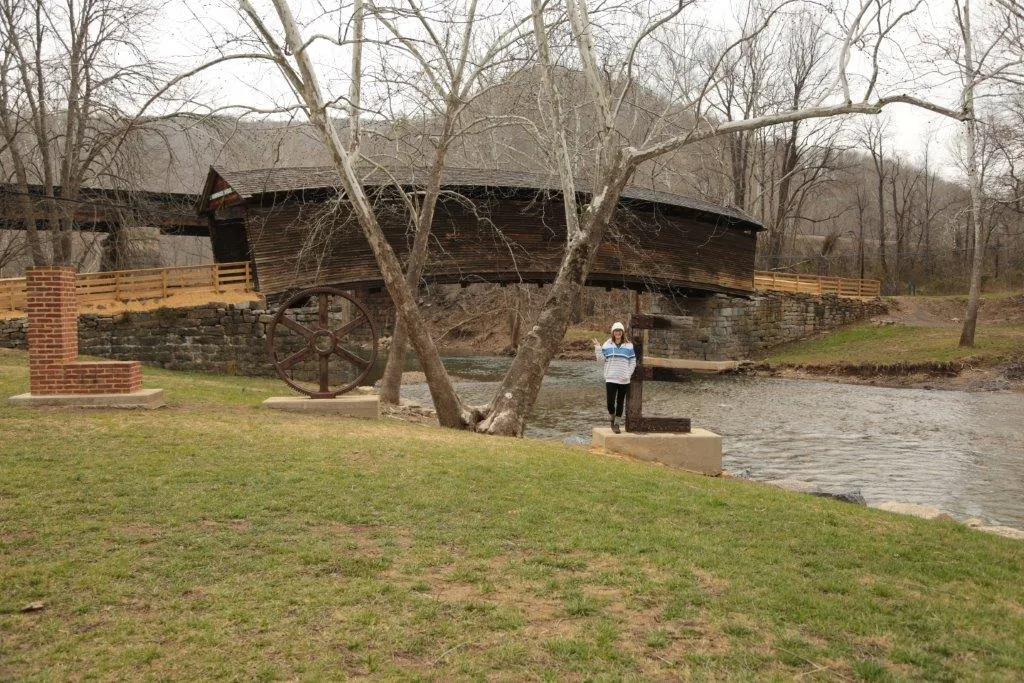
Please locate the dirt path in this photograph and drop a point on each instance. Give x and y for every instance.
(948, 311)
(912, 310)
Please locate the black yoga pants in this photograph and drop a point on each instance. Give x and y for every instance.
(616, 397)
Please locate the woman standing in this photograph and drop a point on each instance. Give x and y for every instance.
(619, 362)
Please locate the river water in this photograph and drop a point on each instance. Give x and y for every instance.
(961, 452)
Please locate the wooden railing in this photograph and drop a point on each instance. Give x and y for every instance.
(816, 284)
(12, 294)
(137, 285)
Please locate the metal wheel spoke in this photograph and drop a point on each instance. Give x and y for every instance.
(296, 326)
(318, 336)
(324, 375)
(324, 311)
(300, 355)
(349, 326)
(352, 358)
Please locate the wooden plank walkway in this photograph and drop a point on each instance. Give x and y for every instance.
(141, 285)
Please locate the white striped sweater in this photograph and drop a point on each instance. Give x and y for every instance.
(619, 361)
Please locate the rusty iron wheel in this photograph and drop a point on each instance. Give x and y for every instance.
(322, 342)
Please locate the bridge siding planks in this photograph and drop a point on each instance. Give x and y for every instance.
(643, 249)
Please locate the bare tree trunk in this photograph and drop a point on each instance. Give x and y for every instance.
(974, 181)
(28, 212)
(61, 234)
(517, 393)
(880, 197)
(450, 411)
(515, 319)
(391, 382)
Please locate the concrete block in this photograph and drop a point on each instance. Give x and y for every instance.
(144, 398)
(350, 405)
(913, 509)
(699, 451)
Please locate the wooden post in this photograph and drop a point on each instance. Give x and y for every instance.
(635, 399)
(216, 280)
(248, 278)
(163, 283)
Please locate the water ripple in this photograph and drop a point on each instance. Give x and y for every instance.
(962, 452)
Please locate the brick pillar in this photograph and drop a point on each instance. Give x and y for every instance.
(53, 342)
(52, 326)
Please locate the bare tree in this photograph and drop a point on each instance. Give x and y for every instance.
(774, 169)
(872, 136)
(295, 63)
(461, 54)
(613, 159)
(983, 55)
(12, 248)
(606, 51)
(74, 78)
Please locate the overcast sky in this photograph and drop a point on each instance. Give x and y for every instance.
(188, 32)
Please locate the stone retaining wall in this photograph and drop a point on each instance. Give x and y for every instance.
(231, 338)
(222, 338)
(726, 327)
(227, 338)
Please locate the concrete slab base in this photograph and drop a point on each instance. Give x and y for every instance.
(144, 398)
(350, 405)
(699, 451)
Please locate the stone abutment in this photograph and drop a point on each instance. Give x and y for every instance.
(231, 338)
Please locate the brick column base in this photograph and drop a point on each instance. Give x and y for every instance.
(53, 367)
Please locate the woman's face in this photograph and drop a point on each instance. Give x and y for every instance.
(617, 336)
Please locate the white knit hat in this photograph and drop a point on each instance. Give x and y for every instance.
(618, 326)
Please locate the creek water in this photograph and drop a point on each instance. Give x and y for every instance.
(961, 452)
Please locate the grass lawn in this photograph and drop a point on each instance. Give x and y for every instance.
(214, 539)
(870, 343)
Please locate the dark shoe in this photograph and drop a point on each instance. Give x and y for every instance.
(615, 427)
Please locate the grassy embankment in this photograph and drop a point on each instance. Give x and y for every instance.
(881, 344)
(927, 330)
(212, 538)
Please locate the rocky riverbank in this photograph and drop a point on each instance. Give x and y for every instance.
(913, 509)
(946, 376)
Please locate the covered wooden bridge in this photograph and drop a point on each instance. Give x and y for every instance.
(490, 226)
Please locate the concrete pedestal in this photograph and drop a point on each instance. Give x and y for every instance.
(699, 451)
(350, 405)
(143, 398)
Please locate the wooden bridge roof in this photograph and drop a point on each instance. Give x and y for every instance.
(252, 183)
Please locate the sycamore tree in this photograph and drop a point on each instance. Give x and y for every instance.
(987, 57)
(617, 51)
(456, 53)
